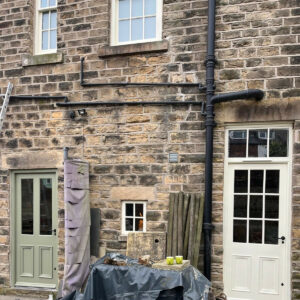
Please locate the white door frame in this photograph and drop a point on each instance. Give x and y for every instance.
(266, 161)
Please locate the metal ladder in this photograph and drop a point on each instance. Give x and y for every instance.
(5, 104)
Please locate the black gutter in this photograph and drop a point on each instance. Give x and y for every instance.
(167, 84)
(247, 94)
(99, 103)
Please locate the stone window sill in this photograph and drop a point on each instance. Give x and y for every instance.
(43, 59)
(122, 238)
(160, 46)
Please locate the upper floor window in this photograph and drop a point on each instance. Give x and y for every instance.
(136, 21)
(46, 27)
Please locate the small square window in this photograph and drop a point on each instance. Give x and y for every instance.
(133, 216)
(46, 26)
(136, 21)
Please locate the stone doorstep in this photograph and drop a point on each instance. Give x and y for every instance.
(14, 297)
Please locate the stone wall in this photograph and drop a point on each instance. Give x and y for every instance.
(128, 146)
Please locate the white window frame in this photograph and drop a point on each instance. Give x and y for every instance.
(124, 232)
(38, 28)
(115, 25)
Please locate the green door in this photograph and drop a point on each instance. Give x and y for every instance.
(36, 224)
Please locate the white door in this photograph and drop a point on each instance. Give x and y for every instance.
(256, 235)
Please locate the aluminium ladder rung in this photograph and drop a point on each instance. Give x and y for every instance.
(5, 104)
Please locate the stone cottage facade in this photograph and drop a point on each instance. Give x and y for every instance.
(128, 147)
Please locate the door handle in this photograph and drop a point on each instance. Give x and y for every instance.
(282, 239)
(54, 231)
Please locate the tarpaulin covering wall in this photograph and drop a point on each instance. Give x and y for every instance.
(77, 224)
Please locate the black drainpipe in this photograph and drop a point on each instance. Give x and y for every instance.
(211, 99)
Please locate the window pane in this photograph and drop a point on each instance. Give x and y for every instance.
(239, 231)
(272, 207)
(271, 232)
(150, 28)
(137, 8)
(241, 181)
(255, 232)
(27, 205)
(139, 210)
(52, 2)
(129, 209)
(240, 206)
(45, 40)
(45, 21)
(256, 181)
(256, 205)
(129, 224)
(278, 143)
(150, 7)
(53, 20)
(272, 181)
(46, 206)
(44, 3)
(123, 31)
(258, 143)
(237, 143)
(138, 224)
(124, 9)
(53, 39)
(136, 29)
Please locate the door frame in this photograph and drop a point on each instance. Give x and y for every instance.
(265, 161)
(13, 220)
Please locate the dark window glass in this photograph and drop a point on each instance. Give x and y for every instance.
(45, 206)
(240, 206)
(241, 181)
(272, 207)
(257, 145)
(255, 232)
(271, 232)
(240, 231)
(129, 209)
(256, 181)
(27, 205)
(256, 206)
(237, 143)
(272, 181)
(129, 224)
(278, 143)
(139, 210)
(138, 224)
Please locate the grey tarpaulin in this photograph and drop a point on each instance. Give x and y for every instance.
(77, 224)
(138, 282)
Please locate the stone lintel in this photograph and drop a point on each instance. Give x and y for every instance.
(43, 59)
(133, 193)
(160, 46)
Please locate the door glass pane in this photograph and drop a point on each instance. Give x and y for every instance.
(52, 2)
(237, 143)
(46, 206)
(136, 29)
(278, 143)
(129, 209)
(27, 205)
(241, 181)
(150, 7)
(272, 181)
(150, 28)
(240, 206)
(257, 146)
(138, 224)
(45, 22)
(124, 31)
(137, 8)
(53, 21)
(256, 206)
(255, 232)
(240, 231)
(45, 40)
(256, 181)
(44, 3)
(272, 207)
(139, 210)
(129, 224)
(124, 9)
(271, 232)
(53, 39)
